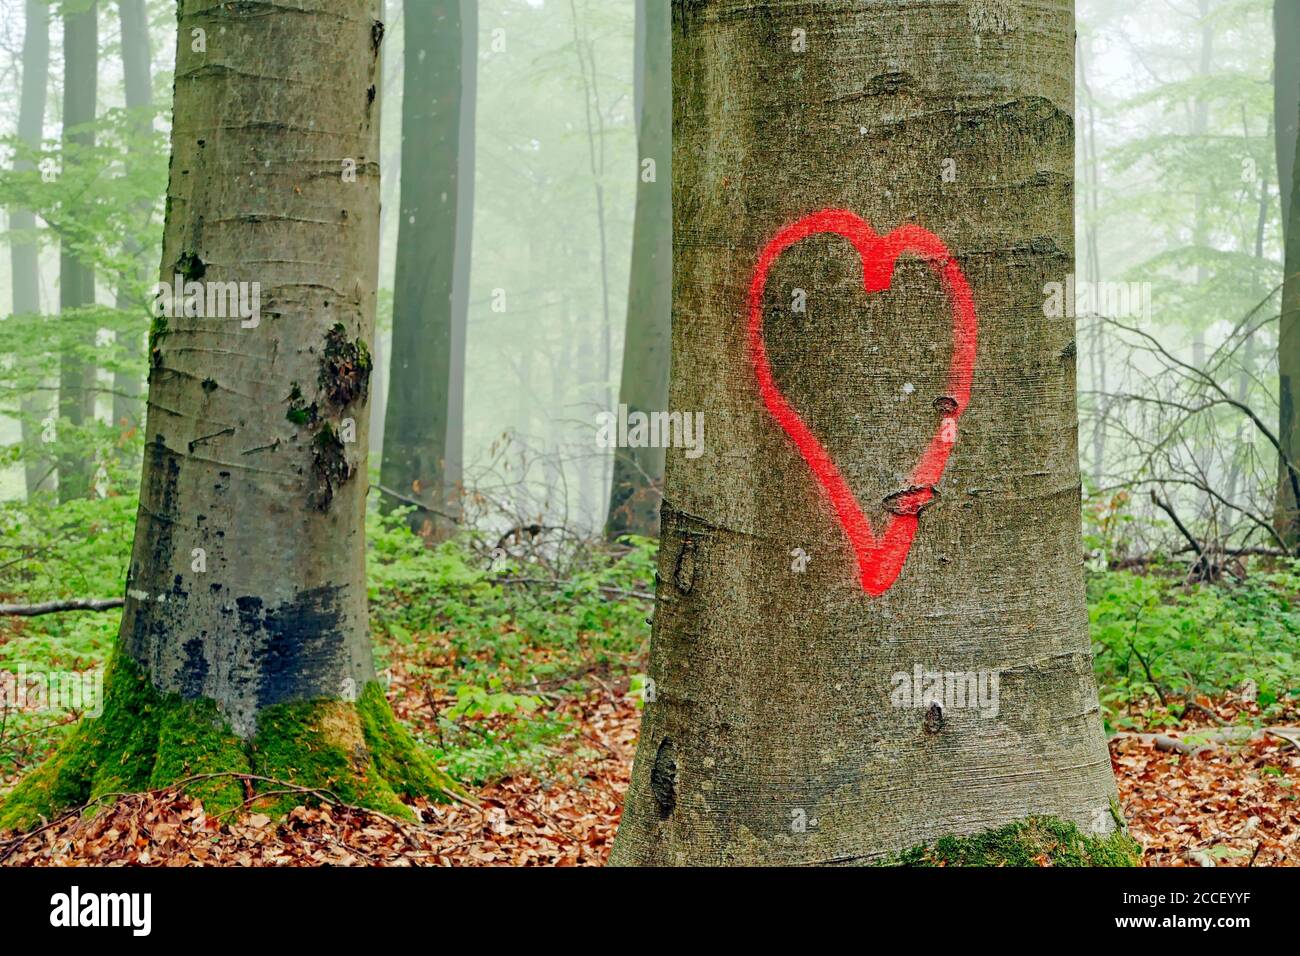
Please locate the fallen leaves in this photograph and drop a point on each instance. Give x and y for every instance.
(518, 821)
(1233, 804)
(1230, 805)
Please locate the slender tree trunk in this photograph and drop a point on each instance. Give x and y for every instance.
(77, 277)
(1286, 79)
(464, 254)
(637, 483)
(24, 250)
(1288, 361)
(584, 49)
(416, 423)
(128, 410)
(784, 728)
(1092, 252)
(1200, 123)
(244, 639)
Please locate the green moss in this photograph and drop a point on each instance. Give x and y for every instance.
(320, 744)
(356, 753)
(194, 742)
(1036, 841)
(396, 754)
(112, 753)
(345, 368)
(157, 332)
(300, 413)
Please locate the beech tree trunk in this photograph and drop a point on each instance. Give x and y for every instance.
(24, 251)
(76, 276)
(1286, 79)
(416, 422)
(248, 456)
(244, 642)
(128, 383)
(460, 285)
(637, 482)
(782, 726)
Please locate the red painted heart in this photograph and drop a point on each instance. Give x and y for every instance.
(879, 562)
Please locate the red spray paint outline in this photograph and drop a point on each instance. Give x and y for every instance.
(879, 562)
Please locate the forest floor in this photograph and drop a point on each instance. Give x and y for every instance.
(1224, 805)
(524, 682)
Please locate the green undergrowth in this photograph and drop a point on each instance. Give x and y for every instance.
(1036, 841)
(353, 753)
(1158, 642)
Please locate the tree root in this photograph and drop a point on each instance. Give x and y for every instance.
(355, 753)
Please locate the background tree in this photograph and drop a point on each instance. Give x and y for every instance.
(1286, 83)
(137, 84)
(244, 643)
(637, 482)
(416, 423)
(460, 286)
(24, 250)
(76, 274)
(772, 737)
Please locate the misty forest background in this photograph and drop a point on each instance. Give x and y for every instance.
(498, 607)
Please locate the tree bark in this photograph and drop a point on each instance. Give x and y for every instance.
(460, 285)
(128, 384)
(76, 276)
(776, 733)
(24, 250)
(416, 422)
(1286, 79)
(637, 482)
(244, 641)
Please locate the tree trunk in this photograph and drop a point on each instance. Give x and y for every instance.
(784, 726)
(637, 483)
(77, 277)
(415, 440)
(244, 639)
(127, 383)
(24, 250)
(460, 285)
(1286, 79)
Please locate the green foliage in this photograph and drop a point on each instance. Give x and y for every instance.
(502, 629)
(1153, 636)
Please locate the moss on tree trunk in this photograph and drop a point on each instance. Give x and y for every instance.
(1036, 841)
(349, 752)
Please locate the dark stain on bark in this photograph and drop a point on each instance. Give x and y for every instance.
(663, 778)
(683, 11)
(376, 36)
(147, 624)
(191, 267)
(330, 466)
(933, 720)
(194, 671)
(888, 83)
(301, 644)
(684, 571)
(345, 368)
